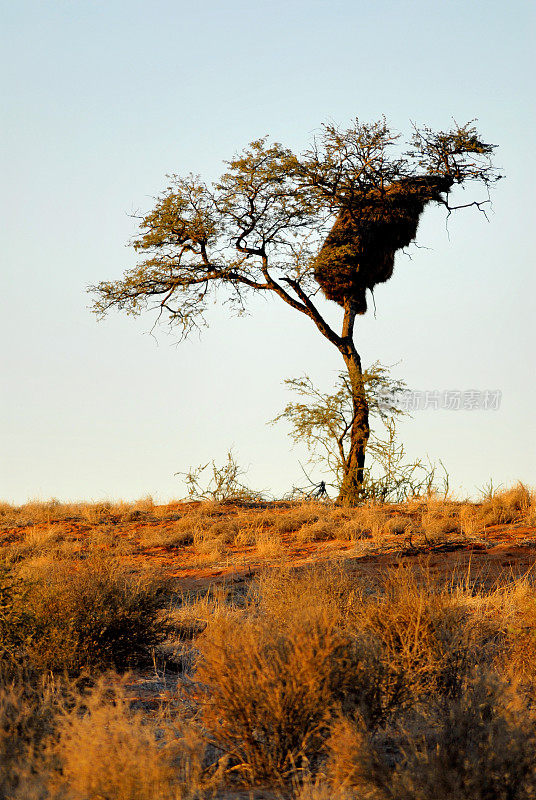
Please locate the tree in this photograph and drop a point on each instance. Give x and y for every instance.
(323, 422)
(331, 218)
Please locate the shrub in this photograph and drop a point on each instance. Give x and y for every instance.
(352, 530)
(399, 525)
(320, 531)
(481, 747)
(326, 590)
(213, 540)
(292, 521)
(436, 525)
(27, 719)
(107, 750)
(16, 624)
(268, 544)
(92, 615)
(372, 519)
(469, 520)
(517, 656)
(510, 505)
(268, 694)
(177, 534)
(425, 636)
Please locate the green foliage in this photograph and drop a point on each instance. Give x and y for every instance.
(323, 422)
(459, 152)
(392, 477)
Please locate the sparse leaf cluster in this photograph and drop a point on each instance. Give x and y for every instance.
(220, 483)
(322, 421)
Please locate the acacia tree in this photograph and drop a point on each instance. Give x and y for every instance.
(330, 219)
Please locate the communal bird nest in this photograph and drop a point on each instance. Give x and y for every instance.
(359, 251)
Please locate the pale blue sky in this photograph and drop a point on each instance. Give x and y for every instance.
(102, 99)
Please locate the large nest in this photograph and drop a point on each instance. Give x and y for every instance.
(359, 250)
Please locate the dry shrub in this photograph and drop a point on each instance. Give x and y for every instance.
(470, 523)
(106, 511)
(352, 530)
(516, 607)
(36, 542)
(139, 509)
(372, 519)
(326, 589)
(437, 525)
(52, 511)
(292, 521)
(176, 534)
(93, 614)
(198, 610)
(320, 531)
(7, 513)
(318, 645)
(27, 720)
(208, 509)
(96, 513)
(439, 518)
(411, 642)
(347, 749)
(213, 540)
(16, 623)
(107, 750)
(268, 693)
(265, 519)
(399, 525)
(319, 789)
(224, 529)
(511, 505)
(209, 549)
(268, 544)
(481, 747)
(426, 635)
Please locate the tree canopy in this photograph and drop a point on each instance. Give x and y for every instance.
(273, 221)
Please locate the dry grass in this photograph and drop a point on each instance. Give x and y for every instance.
(80, 745)
(28, 716)
(296, 518)
(517, 504)
(372, 518)
(470, 523)
(38, 512)
(269, 544)
(320, 531)
(105, 749)
(400, 525)
(279, 671)
(213, 530)
(344, 680)
(439, 525)
(172, 535)
(346, 685)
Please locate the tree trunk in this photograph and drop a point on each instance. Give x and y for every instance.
(351, 491)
